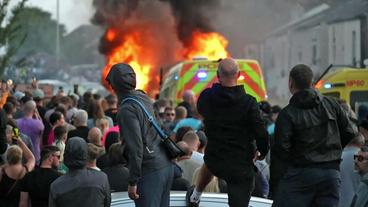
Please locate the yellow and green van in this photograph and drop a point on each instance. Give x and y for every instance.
(197, 75)
(347, 83)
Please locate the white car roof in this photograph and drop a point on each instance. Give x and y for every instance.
(177, 199)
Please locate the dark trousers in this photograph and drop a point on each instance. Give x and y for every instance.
(239, 193)
(304, 187)
(240, 183)
(154, 188)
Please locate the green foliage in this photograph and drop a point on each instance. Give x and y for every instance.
(10, 31)
(41, 32)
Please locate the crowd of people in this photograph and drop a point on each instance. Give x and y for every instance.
(75, 149)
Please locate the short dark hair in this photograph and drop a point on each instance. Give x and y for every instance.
(25, 99)
(302, 76)
(111, 99)
(96, 96)
(265, 106)
(47, 151)
(275, 109)
(59, 131)
(202, 139)
(111, 138)
(181, 132)
(61, 108)
(169, 108)
(116, 154)
(54, 117)
(12, 100)
(8, 108)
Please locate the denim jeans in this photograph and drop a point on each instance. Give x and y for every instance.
(304, 187)
(154, 188)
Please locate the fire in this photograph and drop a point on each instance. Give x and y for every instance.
(130, 51)
(135, 48)
(211, 45)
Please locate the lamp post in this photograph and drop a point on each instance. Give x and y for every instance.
(57, 49)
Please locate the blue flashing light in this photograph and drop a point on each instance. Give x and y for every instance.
(176, 77)
(327, 85)
(202, 75)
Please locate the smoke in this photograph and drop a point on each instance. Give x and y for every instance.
(248, 21)
(187, 16)
(240, 21)
(113, 12)
(193, 15)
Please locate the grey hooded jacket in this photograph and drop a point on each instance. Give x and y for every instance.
(144, 149)
(80, 187)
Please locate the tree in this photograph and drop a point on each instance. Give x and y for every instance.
(10, 31)
(41, 32)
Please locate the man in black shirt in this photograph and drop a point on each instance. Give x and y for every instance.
(36, 184)
(235, 130)
(112, 102)
(3, 145)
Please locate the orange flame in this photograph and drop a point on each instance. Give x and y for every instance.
(130, 50)
(211, 45)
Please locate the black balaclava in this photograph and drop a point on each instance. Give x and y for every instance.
(122, 78)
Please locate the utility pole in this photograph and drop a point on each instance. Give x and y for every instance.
(57, 49)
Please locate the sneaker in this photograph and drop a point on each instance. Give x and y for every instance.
(187, 197)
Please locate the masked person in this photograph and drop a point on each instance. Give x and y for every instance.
(150, 169)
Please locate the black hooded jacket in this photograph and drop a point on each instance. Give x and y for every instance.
(311, 131)
(76, 152)
(232, 123)
(144, 149)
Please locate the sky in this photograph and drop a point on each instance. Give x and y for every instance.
(73, 13)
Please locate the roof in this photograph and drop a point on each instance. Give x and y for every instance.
(325, 13)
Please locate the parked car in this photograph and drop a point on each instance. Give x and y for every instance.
(177, 199)
(51, 87)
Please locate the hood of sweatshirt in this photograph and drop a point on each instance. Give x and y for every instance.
(122, 78)
(76, 152)
(306, 99)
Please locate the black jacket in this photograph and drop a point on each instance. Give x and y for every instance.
(3, 122)
(311, 131)
(80, 131)
(232, 122)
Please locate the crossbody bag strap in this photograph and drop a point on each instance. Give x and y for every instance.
(149, 117)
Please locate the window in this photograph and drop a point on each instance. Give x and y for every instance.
(314, 55)
(300, 56)
(333, 44)
(354, 42)
(358, 97)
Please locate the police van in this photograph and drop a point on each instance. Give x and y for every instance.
(347, 83)
(200, 73)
